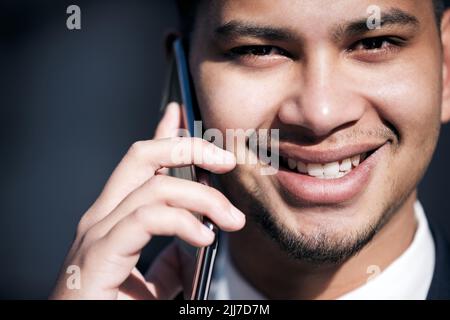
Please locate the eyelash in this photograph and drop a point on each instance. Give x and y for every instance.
(379, 43)
(257, 51)
(374, 45)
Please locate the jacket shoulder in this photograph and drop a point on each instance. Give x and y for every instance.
(440, 283)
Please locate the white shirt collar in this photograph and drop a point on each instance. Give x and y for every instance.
(407, 277)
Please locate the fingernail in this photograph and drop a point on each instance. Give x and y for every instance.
(208, 233)
(237, 214)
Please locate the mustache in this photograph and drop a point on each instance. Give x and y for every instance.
(381, 133)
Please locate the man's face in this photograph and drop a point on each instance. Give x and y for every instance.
(335, 89)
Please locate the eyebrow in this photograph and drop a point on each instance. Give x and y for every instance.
(393, 17)
(235, 28)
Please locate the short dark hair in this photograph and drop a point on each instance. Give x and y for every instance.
(187, 10)
(439, 8)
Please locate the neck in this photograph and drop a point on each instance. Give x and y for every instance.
(280, 277)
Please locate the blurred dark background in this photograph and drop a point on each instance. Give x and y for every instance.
(71, 103)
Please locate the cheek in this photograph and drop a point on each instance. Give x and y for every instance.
(232, 99)
(411, 105)
(409, 98)
(410, 101)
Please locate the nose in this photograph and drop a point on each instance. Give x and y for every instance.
(324, 97)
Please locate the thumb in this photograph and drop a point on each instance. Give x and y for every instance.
(169, 123)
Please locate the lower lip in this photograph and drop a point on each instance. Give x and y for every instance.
(322, 191)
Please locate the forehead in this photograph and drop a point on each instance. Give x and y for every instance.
(313, 17)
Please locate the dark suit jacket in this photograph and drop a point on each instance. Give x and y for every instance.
(440, 285)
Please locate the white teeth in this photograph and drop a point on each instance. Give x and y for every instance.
(336, 176)
(355, 160)
(292, 164)
(341, 174)
(331, 169)
(315, 169)
(301, 167)
(346, 165)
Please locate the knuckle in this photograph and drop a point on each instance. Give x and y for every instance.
(85, 224)
(157, 183)
(90, 236)
(183, 217)
(182, 223)
(156, 188)
(137, 149)
(82, 226)
(219, 199)
(142, 215)
(150, 220)
(87, 239)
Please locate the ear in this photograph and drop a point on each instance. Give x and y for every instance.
(445, 36)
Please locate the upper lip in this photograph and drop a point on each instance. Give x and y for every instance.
(310, 154)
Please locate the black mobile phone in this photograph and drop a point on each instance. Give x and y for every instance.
(178, 89)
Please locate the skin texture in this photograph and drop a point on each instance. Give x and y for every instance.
(323, 95)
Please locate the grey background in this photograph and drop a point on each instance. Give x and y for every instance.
(71, 103)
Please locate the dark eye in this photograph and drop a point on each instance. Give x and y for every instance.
(376, 43)
(258, 51)
(373, 43)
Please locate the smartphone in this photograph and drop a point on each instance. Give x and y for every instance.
(178, 88)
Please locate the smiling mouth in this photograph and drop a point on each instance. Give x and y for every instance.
(327, 176)
(330, 170)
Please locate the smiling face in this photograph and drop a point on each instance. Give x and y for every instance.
(336, 90)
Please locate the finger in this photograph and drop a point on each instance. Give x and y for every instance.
(145, 158)
(117, 253)
(127, 238)
(200, 199)
(184, 151)
(177, 193)
(132, 233)
(169, 123)
(168, 126)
